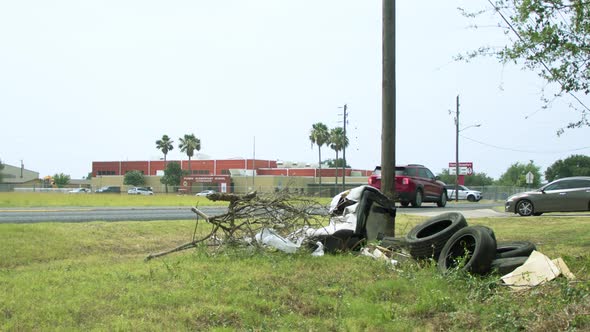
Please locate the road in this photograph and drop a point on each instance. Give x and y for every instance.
(32, 215)
(66, 214)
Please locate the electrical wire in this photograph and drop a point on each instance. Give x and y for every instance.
(519, 150)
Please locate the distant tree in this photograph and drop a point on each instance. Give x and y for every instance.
(475, 180)
(575, 165)
(188, 144)
(89, 176)
(516, 175)
(338, 142)
(319, 136)
(134, 178)
(165, 145)
(551, 38)
(172, 174)
(1, 175)
(335, 162)
(61, 180)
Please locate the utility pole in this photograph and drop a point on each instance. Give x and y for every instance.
(344, 151)
(388, 101)
(457, 152)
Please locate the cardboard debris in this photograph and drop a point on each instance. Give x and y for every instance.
(537, 269)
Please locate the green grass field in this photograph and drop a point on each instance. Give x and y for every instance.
(92, 276)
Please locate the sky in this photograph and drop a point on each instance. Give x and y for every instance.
(84, 81)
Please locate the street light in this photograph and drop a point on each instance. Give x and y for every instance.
(457, 131)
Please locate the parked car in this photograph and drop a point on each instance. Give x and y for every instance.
(139, 191)
(414, 184)
(464, 193)
(109, 189)
(205, 193)
(79, 191)
(570, 194)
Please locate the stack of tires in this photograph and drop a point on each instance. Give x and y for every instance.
(448, 239)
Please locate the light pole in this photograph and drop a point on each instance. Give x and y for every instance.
(457, 131)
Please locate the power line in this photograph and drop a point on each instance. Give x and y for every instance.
(519, 150)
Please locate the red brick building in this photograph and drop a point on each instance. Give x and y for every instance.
(218, 167)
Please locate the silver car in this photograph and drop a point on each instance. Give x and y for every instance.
(564, 195)
(140, 191)
(464, 193)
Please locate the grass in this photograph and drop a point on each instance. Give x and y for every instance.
(98, 200)
(34, 200)
(92, 276)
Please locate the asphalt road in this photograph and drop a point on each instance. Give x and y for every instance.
(33, 215)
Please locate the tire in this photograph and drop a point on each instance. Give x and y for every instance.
(393, 243)
(525, 208)
(506, 265)
(487, 229)
(417, 201)
(470, 249)
(471, 198)
(443, 199)
(405, 204)
(427, 239)
(514, 249)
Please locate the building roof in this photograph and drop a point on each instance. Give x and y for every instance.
(16, 175)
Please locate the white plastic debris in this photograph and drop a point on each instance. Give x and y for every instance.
(270, 238)
(319, 250)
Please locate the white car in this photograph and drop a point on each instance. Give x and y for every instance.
(464, 193)
(139, 191)
(205, 193)
(79, 191)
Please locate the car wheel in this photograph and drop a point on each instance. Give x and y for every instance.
(471, 249)
(524, 208)
(417, 201)
(443, 199)
(428, 238)
(471, 198)
(405, 204)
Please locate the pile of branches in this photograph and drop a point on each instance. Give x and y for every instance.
(250, 213)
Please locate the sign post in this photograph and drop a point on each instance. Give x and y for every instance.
(529, 178)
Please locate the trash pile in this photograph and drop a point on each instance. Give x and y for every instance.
(363, 219)
(357, 216)
(455, 245)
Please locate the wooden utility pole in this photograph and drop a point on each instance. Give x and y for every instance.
(344, 151)
(388, 101)
(457, 152)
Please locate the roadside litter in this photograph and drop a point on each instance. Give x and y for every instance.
(362, 219)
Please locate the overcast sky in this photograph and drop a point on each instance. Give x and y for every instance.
(84, 81)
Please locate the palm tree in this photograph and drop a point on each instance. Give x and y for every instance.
(319, 135)
(165, 145)
(188, 144)
(337, 143)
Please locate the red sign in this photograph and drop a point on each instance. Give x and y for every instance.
(465, 168)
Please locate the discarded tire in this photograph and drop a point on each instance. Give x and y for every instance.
(507, 265)
(471, 249)
(514, 249)
(393, 243)
(428, 238)
(487, 229)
